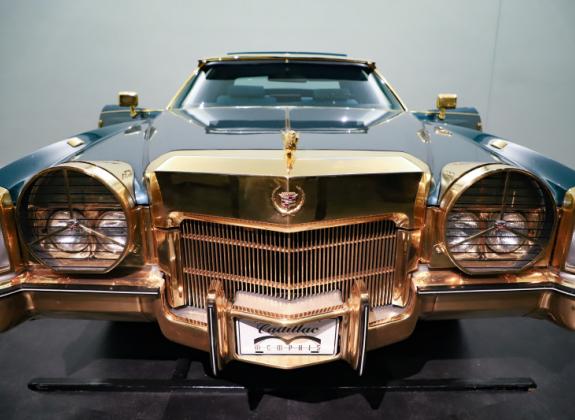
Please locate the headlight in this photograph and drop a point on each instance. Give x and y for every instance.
(65, 233)
(113, 225)
(77, 217)
(462, 226)
(498, 219)
(510, 234)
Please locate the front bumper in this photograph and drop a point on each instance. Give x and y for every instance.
(433, 295)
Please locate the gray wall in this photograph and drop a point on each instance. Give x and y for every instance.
(60, 61)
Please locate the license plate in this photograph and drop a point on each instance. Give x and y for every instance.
(312, 338)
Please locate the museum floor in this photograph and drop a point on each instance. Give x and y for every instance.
(475, 349)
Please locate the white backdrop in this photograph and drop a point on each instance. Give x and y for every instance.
(61, 61)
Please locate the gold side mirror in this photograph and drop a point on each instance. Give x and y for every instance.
(445, 101)
(129, 99)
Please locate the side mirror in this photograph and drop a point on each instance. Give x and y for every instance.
(125, 110)
(129, 99)
(445, 101)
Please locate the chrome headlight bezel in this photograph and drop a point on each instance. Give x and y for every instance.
(570, 256)
(489, 261)
(564, 254)
(8, 237)
(105, 192)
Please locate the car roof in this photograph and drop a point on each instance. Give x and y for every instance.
(286, 55)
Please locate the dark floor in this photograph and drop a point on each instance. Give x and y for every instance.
(446, 349)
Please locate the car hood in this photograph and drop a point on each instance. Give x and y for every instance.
(253, 128)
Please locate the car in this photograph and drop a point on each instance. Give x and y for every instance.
(286, 209)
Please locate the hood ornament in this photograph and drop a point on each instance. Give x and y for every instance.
(288, 202)
(290, 139)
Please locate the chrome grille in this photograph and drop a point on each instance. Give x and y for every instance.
(288, 265)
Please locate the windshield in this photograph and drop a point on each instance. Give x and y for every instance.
(289, 84)
(264, 119)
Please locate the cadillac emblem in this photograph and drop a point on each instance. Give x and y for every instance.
(288, 202)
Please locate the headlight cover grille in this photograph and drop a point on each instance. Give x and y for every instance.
(64, 214)
(498, 219)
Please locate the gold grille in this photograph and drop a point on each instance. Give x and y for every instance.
(288, 265)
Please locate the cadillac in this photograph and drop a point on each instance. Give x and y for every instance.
(286, 209)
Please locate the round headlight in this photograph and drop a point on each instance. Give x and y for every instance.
(77, 217)
(462, 226)
(65, 233)
(497, 219)
(510, 234)
(113, 227)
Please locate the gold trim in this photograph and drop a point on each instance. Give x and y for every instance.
(328, 310)
(437, 294)
(421, 197)
(129, 99)
(445, 101)
(37, 275)
(271, 163)
(455, 170)
(332, 264)
(352, 338)
(538, 293)
(565, 232)
(41, 292)
(400, 219)
(449, 198)
(121, 170)
(264, 170)
(10, 232)
(75, 142)
(113, 184)
(498, 143)
(453, 280)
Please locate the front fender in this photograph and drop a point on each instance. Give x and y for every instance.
(14, 175)
(558, 176)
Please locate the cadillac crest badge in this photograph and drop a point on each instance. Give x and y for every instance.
(287, 202)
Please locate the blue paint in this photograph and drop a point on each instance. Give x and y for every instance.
(132, 143)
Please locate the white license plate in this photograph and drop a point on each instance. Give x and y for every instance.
(312, 338)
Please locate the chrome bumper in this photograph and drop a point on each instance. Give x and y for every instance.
(433, 295)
